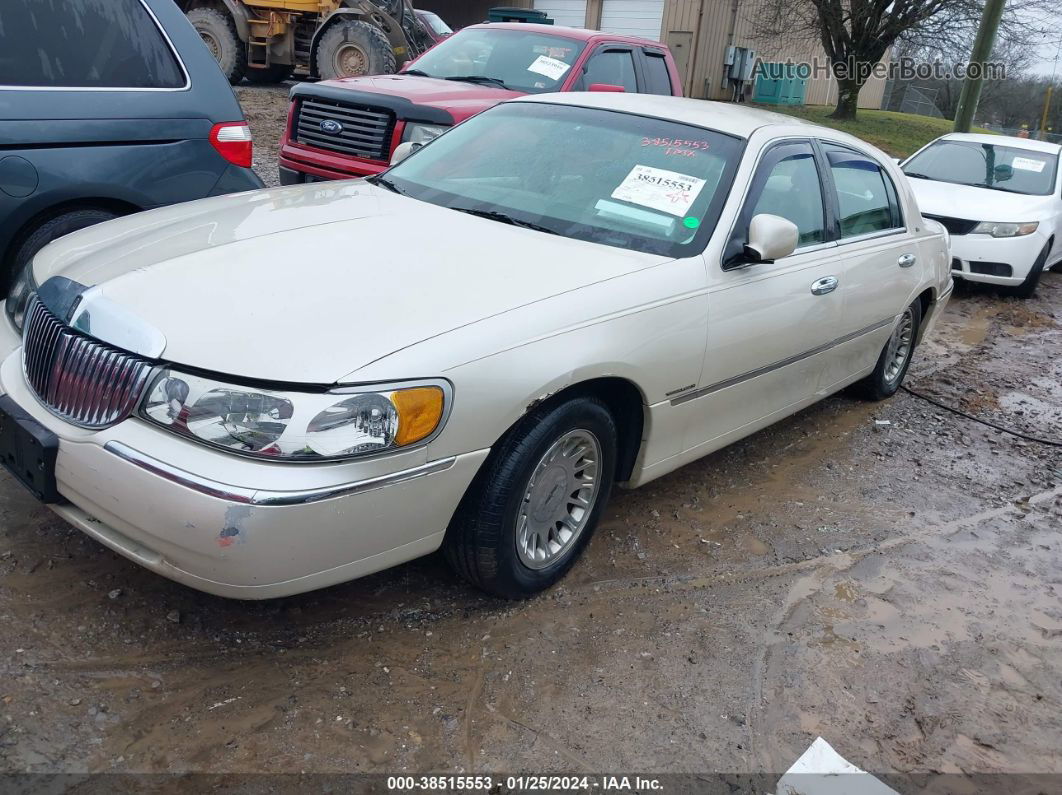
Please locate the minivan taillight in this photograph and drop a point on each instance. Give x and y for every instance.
(232, 139)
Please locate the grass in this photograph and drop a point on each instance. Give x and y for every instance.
(898, 134)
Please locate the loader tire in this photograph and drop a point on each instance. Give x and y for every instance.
(350, 48)
(218, 32)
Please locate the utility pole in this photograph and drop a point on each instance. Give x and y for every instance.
(982, 50)
(1043, 116)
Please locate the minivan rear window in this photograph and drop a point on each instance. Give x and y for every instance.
(85, 44)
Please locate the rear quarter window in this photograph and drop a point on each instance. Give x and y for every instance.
(84, 44)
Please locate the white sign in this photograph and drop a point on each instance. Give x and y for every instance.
(1028, 164)
(552, 68)
(660, 189)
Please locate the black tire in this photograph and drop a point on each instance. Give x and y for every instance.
(363, 47)
(884, 381)
(277, 73)
(1028, 287)
(218, 31)
(481, 543)
(53, 229)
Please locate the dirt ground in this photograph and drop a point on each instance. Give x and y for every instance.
(885, 576)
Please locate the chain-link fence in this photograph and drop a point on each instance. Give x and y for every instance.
(922, 101)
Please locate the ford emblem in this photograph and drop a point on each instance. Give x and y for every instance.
(331, 126)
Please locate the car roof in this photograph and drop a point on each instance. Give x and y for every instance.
(580, 34)
(726, 117)
(1004, 140)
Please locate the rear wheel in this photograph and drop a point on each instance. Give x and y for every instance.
(350, 48)
(1028, 287)
(537, 501)
(895, 357)
(277, 73)
(218, 32)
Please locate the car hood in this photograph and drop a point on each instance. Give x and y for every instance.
(977, 204)
(460, 99)
(310, 283)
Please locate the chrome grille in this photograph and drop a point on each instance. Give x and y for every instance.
(81, 380)
(366, 129)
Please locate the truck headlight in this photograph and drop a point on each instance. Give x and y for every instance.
(422, 133)
(296, 426)
(18, 298)
(997, 229)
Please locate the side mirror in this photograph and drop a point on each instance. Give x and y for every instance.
(771, 237)
(607, 87)
(402, 151)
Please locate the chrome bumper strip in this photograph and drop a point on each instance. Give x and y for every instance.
(270, 498)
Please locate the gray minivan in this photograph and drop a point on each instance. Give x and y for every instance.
(107, 107)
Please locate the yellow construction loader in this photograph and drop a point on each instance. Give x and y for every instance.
(267, 41)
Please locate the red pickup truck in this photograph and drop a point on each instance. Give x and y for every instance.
(338, 129)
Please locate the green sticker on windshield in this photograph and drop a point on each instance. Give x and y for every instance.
(690, 222)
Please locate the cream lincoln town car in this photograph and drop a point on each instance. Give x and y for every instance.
(266, 393)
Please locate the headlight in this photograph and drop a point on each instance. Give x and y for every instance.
(18, 298)
(296, 426)
(1003, 229)
(422, 133)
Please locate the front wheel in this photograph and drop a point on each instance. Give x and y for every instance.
(1028, 287)
(895, 357)
(351, 48)
(537, 501)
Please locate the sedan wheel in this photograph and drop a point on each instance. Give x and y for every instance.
(894, 358)
(537, 500)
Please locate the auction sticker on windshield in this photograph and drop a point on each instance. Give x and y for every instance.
(1028, 164)
(659, 189)
(548, 67)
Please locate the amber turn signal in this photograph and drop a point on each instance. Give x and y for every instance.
(420, 410)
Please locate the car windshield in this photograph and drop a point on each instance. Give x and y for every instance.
(639, 183)
(982, 165)
(514, 59)
(436, 23)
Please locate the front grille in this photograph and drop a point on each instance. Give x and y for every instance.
(366, 129)
(81, 380)
(957, 226)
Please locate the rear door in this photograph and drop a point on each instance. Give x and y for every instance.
(656, 76)
(610, 64)
(881, 271)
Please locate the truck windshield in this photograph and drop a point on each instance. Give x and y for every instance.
(981, 165)
(518, 60)
(633, 182)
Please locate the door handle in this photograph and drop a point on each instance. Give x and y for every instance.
(907, 260)
(827, 284)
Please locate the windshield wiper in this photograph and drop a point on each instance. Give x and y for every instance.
(504, 218)
(384, 182)
(416, 73)
(480, 79)
(916, 175)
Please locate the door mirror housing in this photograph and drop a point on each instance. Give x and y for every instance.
(607, 87)
(771, 237)
(402, 151)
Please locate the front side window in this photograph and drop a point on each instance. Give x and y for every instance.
(610, 67)
(84, 44)
(790, 188)
(866, 198)
(983, 165)
(524, 61)
(639, 183)
(434, 21)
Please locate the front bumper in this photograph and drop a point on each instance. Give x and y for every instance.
(299, 164)
(241, 528)
(971, 253)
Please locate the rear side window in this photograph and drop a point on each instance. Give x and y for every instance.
(84, 44)
(611, 67)
(866, 198)
(657, 78)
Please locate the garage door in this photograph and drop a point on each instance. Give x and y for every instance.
(569, 13)
(633, 17)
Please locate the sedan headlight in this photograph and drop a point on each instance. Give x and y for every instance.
(296, 426)
(18, 298)
(422, 133)
(1004, 229)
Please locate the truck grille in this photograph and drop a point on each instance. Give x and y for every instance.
(366, 130)
(79, 379)
(956, 226)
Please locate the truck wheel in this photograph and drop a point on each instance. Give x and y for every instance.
(277, 73)
(218, 32)
(53, 229)
(349, 48)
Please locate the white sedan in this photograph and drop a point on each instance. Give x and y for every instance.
(1001, 200)
(262, 394)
